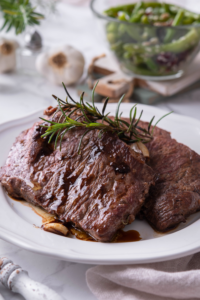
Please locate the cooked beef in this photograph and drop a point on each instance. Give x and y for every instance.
(177, 191)
(100, 191)
(176, 194)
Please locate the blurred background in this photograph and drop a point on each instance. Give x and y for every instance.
(27, 81)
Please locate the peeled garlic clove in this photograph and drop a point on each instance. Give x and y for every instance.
(141, 148)
(7, 55)
(63, 64)
(56, 228)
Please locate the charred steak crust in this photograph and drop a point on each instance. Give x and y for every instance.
(176, 194)
(99, 191)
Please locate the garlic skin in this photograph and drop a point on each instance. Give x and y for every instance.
(62, 64)
(7, 55)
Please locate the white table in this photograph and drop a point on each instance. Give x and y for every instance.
(21, 95)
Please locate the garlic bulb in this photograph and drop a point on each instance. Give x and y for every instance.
(63, 64)
(7, 55)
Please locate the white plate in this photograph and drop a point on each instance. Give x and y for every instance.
(17, 221)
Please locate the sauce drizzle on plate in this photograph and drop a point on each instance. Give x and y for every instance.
(121, 236)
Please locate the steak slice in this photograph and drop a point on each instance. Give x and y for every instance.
(176, 193)
(99, 191)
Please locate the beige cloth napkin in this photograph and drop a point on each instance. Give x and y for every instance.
(175, 279)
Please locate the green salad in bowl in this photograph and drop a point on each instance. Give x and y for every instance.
(151, 40)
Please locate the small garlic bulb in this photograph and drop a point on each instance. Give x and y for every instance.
(7, 55)
(63, 64)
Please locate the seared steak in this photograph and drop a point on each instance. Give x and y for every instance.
(176, 193)
(100, 191)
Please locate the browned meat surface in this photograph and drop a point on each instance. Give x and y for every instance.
(176, 194)
(99, 191)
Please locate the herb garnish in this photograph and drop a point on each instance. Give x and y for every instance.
(19, 14)
(127, 132)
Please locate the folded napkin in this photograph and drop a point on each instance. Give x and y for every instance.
(175, 279)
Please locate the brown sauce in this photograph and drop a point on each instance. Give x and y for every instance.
(121, 237)
(80, 235)
(127, 236)
(46, 217)
(17, 199)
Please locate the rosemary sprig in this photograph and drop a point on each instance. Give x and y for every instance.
(19, 14)
(92, 119)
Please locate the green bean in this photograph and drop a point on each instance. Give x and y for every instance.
(134, 48)
(145, 20)
(112, 27)
(152, 4)
(138, 59)
(111, 37)
(174, 9)
(148, 32)
(151, 64)
(133, 32)
(166, 7)
(187, 21)
(122, 16)
(137, 7)
(157, 11)
(140, 70)
(137, 12)
(122, 28)
(135, 18)
(177, 20)
(191, 14)
(118, 48)
(182, 44)
(127, 55)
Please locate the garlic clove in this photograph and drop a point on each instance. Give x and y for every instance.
(143, 148)
(140, 148)
(56, 228)
(7, 55)
(63, 64)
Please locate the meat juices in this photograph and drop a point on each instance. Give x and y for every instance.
(99, 191)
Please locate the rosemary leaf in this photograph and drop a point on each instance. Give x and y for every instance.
(160, 120)
(90, 118)
(19, 14)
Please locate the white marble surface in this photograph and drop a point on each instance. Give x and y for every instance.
(21, 94)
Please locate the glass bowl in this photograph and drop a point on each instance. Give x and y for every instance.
(147, 51)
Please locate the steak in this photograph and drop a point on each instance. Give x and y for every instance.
(176, 193)
(99, 191)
